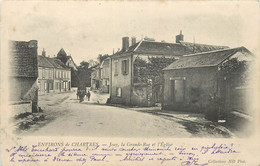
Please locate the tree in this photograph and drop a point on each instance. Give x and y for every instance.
(151, 69)
(235, 71)
(84, 64)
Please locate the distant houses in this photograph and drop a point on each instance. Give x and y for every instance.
(23, 74)
(105, 75)
(54, 75)
(68, 61)
(95, 77)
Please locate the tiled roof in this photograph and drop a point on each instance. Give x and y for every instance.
(44, 62)
(157, 48)
(197, 48)
(160, 48)
(57, 63)
(51, 63)
(174, 49)
(212, 58)
(23, 58)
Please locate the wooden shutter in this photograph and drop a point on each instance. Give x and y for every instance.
(127, 67)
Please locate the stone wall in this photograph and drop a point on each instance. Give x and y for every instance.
(199, 85)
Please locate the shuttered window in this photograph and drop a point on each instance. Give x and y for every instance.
(125, 67)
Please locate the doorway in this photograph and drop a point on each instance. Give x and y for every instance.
(177, 90)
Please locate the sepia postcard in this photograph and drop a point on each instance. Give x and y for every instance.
(130, 83)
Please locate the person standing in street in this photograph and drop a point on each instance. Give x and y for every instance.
(88, 95)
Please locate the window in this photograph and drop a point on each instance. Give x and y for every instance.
(43, 73)
(125, 67)
(45, 86)
(40, 73)
(119, 92)
(56, 76)
(39, 85)
(46, 73)
(116, 67)
(49, 73)
(68, 75)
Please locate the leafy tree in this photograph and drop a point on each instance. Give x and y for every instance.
(84, 64)
(151, 69)
(235, 71)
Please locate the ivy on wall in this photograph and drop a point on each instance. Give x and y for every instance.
(149, 70)
(235, 72)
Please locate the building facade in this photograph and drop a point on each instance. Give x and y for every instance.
(62, 76)
(95, 77)
(54, 76)
(104, 75)
(136, 71)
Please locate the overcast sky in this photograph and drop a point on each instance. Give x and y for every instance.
(86, 29)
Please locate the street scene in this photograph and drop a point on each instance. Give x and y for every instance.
(65, 116)
(105, 76)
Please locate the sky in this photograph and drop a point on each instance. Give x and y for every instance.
(86, 29)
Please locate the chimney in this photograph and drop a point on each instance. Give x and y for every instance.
(43, 52)
(125, 43)
(133, 40)
(179, 37)
(33, 45)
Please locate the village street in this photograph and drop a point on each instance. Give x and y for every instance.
(65, 116)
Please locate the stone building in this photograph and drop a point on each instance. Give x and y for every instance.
(61, 75)
(95, 77)
(136, 70)
(45, 75)
(196, 82)
(23, 73)
(54, 75)
(104, 75)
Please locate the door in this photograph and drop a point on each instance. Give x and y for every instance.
(177, 90)
(60, 86)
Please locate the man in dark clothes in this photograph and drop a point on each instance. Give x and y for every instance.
(82, 95)
(88, 95)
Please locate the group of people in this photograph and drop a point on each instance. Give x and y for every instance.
(81, 94)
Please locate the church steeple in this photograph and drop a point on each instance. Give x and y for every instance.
(61, 53)
(179, 37)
